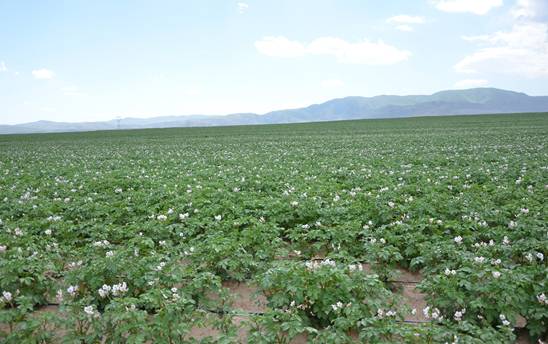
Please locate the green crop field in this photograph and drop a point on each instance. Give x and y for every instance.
(422, 230)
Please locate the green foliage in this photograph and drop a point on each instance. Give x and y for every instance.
(134, 233)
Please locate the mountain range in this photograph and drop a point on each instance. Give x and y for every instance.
(452, 102)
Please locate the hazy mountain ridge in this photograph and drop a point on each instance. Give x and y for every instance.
(452, 102)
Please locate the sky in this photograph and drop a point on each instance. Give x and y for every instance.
(76, 61)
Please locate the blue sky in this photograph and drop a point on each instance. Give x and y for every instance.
(95, 60)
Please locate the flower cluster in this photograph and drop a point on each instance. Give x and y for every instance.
(432, 313)
(339, 305)
(503, 319)
(314, 264)
(115, 289)
(458, 314)
(101, 243)
(6, 296)
(91, 311)
(450, 272)
(382, 314)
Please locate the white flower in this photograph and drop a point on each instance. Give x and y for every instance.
(328, 262)
(173, 290)
(161, 217)
(512, 224)
(479, 260)
(170, 211)
(183, 217)
(120, 288)
(72, 289)
(337, 306)
(3, 248)
(540, 256)
(502, 318)
(458, 314)
(103, 243)
(450, 272)
(542, 299)
(391, 204)
(391, 313)
(118, 190)
(524, 211)
(355, 267)
(7, 296)
(18, 231)
(434, 313)
(505, 240)
(104, 291)
(458, 239)
(89, 310)
(305, 226)
(48, 232)
(426, 312)
(380, 313)
(529, 257)
(110, 254)
(496, 274)
(294, 203)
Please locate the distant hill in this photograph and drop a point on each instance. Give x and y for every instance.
(453, 102)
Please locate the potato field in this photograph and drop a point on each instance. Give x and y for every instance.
(423, 230)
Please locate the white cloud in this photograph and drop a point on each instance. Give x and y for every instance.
(43, 74)
(3, 67)
(404, 22)
(530, 9)
(242, 7)
(405, 28)
(362, 52)
(331, 83)
(521, 51)
(479, 7)
(405, 19)
(471, 83)
(280, 46)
